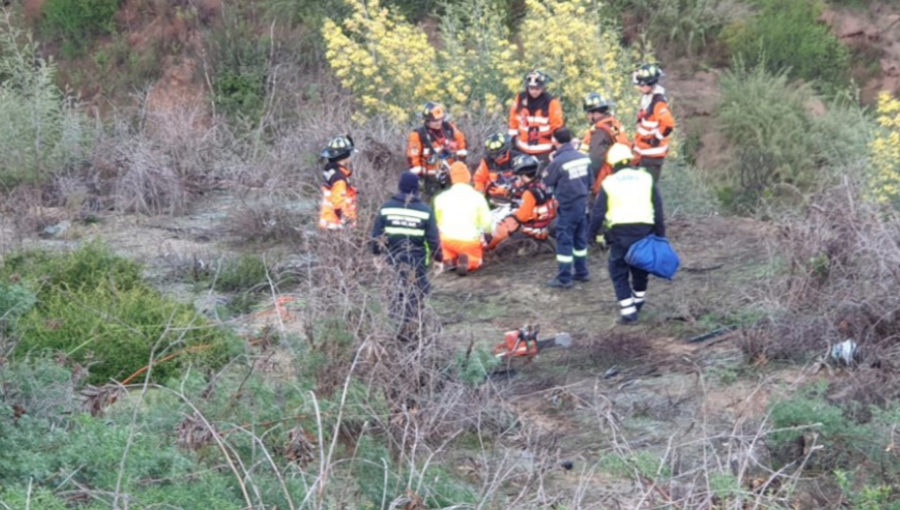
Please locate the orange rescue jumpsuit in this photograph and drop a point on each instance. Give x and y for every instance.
(338, 198)
(532, 122)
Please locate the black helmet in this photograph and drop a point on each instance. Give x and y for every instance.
(594, 102)
(525, 164)
(433, 111)
(338, 148)
(536, 78)
(647, 74)
(497, 144)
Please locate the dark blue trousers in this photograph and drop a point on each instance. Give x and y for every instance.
(572, 240)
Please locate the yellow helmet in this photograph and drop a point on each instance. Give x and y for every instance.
(619, 153)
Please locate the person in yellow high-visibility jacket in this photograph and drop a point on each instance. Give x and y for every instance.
(463, 219)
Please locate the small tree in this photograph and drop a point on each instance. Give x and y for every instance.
(40, 128)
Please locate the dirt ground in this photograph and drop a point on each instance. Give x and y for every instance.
(665, 389)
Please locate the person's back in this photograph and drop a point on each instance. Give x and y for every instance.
(568, 175)
(463, 217)
(462, 213)
(406, 225)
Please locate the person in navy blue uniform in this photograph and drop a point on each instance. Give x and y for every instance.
(569, 176)
(405, 230)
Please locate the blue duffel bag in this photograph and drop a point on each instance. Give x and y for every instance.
(655, 255)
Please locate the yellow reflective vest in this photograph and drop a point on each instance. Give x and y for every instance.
(629, 195)
(462, 213)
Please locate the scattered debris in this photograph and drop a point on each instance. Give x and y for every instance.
(56, 230)
(845, 352)
(95, 399)
(712, 334)
(192, 433)
(300, 447)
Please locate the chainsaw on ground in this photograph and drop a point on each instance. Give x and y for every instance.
(524, 342)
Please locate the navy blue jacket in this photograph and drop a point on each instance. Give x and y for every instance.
(569, 175)
(409, 227)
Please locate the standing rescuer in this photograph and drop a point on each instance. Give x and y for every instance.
(632, 209)
(534, 116)
(338, 195)
(605, 130)
(430, 145)
(463, 218)
(569, 176)
(654, 120)
(405, 228)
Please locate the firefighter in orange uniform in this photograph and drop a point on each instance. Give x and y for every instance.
(537, 210)
(605, 131)
(534, 116)
(338, 195)
(494, 176)
(433, 147)
(655, 122)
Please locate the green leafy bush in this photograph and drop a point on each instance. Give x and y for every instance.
(685, 27)
(15, 300)
(241, 69)
(847, 441)
(785, 35)
(473, 367)
(75, 22)
(41, 130)
(95, 308)
(242, 273)
(781, 146)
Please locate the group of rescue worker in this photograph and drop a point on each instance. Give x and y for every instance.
(535, 180)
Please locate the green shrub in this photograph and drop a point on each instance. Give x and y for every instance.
(246, 272)
(75, 22)
(473, 367)
(784, 150)
(95, 308)
(241, 69)
(15, 301)
(41, 130)
(846, 441)
(785, 35)
(684, 27)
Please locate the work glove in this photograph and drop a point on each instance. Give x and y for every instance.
(654, 142)
(602, 245)
(487, 238)
(439, 255)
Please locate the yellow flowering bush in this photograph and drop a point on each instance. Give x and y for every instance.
(476, 58)
(392, 69)
(568, 40)
(885, 152)
(387, 62)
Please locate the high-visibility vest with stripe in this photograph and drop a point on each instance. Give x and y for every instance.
(403, 222)
(629, 197)
(533, 131)
(337, 195)
(654, 121)
(424, 148)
